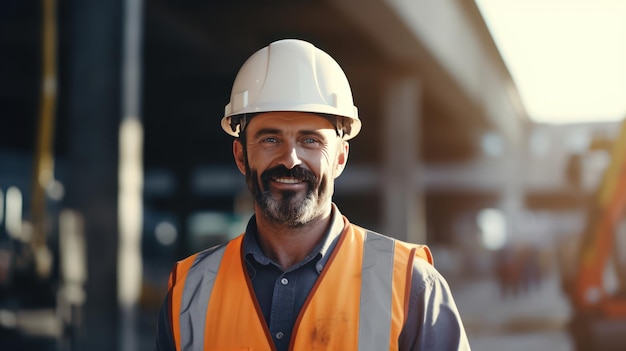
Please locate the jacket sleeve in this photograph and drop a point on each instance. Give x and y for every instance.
(433, 321)
(164, 337)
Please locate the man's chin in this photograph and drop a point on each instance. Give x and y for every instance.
(286, 211)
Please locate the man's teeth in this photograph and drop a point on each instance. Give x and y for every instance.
(287, 180)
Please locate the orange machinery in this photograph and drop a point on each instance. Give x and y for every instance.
(599, 316)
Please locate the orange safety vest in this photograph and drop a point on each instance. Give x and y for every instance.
(361, 298)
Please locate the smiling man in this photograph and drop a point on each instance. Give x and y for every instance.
(302, 277)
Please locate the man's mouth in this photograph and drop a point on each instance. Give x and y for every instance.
(287, 180)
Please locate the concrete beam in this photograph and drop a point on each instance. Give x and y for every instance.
(446, 40)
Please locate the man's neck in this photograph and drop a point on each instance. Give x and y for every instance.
(288, 245)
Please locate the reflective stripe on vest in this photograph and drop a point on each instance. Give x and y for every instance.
(195, 299)
(376, 292)
(360, 298)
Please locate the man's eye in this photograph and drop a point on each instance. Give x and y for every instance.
(310, 141)
(270, 140)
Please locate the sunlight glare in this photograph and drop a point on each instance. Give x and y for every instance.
(567, 57)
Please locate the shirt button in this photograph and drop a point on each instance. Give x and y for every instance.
(284, 281)
(319, 267)
(279, 335)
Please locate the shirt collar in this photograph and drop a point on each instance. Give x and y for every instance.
(252, 249)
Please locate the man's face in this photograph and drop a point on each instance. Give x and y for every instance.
(291, 160)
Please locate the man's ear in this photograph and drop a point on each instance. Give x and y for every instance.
(342, 157)
(240, 156)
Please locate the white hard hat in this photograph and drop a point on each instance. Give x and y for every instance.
(291, 75)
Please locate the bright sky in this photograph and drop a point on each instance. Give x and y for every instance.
(567, 57)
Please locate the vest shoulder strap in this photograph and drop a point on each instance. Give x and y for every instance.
(421, 251)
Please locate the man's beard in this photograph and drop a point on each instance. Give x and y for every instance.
(290, 208)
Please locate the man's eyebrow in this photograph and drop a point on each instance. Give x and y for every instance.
(312, 132)
(266, 131)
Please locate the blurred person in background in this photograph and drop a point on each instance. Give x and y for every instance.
(302, 277)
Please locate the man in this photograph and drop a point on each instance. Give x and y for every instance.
(302, 277)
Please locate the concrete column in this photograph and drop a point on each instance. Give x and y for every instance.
(403, 197)
(92, 104)
(130, 198)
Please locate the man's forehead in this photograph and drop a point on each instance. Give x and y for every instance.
(288, 120)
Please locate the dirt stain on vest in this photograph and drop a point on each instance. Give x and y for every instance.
(325, 332)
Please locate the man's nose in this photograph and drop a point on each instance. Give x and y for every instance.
(289, 156)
